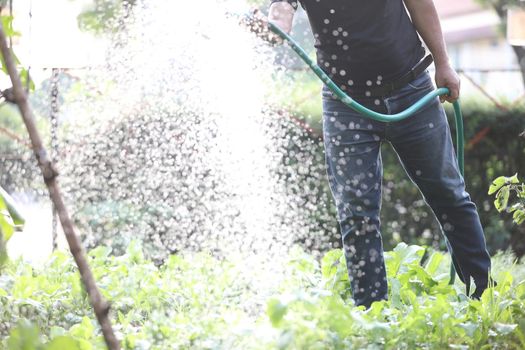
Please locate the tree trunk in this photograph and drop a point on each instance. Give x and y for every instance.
(520, 55)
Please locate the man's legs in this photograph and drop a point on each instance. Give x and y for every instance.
(424, 146)
(352, 146)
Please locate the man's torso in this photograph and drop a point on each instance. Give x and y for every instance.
(363, 43)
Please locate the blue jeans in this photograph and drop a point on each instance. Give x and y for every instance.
(424, 146)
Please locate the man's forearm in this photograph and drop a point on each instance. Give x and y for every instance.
(281, 14)
(426, 20)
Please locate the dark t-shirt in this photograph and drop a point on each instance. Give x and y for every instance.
(362, 43)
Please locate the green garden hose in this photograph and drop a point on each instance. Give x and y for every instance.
(347, 100)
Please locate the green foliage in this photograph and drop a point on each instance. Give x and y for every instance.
(7, 25)
(195, 301)
(503, 187)
(10, 221)
(105, 16)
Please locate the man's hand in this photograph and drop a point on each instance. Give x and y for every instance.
(258, 24)
(447, 77)
(426, 20)
(281, 14)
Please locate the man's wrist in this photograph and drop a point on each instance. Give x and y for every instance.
(442, 61)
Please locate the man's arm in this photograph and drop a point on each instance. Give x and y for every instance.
(281, 14)
(426, 20)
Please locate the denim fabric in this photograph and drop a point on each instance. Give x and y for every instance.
(424, 146)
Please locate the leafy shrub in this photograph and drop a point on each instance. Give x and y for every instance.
(195, 301)
(502, 187)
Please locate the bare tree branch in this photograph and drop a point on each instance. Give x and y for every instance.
(50, 174)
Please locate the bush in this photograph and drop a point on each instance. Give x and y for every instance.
(175, 181)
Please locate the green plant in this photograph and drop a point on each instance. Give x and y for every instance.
(503, 187)
(105, 16)
(10, 221)
(195, 301)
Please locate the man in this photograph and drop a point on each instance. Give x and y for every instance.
(372, 50)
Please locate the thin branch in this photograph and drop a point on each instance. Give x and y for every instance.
(100, 305)
(14, 136)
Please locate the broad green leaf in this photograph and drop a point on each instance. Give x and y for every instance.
(521, 191)
(26, 79)
(7, 24)
(395, 287)
(330, 262)
(519, 216)
(514, 207)
(503, 181)
(409, 297)
(409, 253)
(469, 327)
(423, 276)
(402, 255)
(513, 179)
(276, 311)
(434, 262)
(25, 336)
(11, 206)
(504, 329)
(7, 226)
(84, 330)
(497, 184)
(502, 199)
(63, 343)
